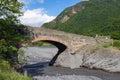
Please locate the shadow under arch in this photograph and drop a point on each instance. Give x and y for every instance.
(61, 47)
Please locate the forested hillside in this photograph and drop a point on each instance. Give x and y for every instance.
(90, 18)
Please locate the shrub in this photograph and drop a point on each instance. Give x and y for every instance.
(116, 43)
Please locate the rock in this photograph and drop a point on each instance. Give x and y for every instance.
(106, 59)
(68, 60)
(64, 19)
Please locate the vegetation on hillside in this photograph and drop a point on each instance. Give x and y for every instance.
(100, 17)
(113, 44)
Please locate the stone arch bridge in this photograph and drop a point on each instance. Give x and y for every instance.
(61, 40)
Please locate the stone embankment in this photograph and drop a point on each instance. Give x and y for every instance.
(88, 56)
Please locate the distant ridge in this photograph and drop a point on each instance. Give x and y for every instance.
(89, 18)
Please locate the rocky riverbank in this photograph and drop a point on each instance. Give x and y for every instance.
(38, 59)
(107, 59)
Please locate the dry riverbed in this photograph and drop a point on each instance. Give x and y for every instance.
(37, 60)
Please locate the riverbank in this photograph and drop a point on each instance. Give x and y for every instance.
(41, 70)
(52, 71)
(37, 67)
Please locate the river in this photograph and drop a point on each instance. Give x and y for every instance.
(38, 58)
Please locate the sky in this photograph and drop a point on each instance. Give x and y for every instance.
(37, 12)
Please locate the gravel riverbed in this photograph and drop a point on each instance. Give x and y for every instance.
(38, 58)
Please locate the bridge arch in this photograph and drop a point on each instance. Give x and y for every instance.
(50, 39)
(58, 42)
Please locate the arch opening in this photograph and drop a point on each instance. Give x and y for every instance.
(61, 47)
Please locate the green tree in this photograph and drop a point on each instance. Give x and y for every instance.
(10, 29)
(10, 10)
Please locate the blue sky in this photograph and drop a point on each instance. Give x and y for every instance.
(37, 12)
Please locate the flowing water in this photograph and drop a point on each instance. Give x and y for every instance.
(38, 58)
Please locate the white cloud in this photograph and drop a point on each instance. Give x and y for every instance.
(25, 1)
(41, 1)
(35, 17)
(29, 2)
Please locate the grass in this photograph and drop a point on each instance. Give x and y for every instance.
(39, 43)
(12, 75)
(115, 44)
(6, 73)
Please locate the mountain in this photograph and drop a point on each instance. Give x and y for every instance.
(65, 15)
(89, 18)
